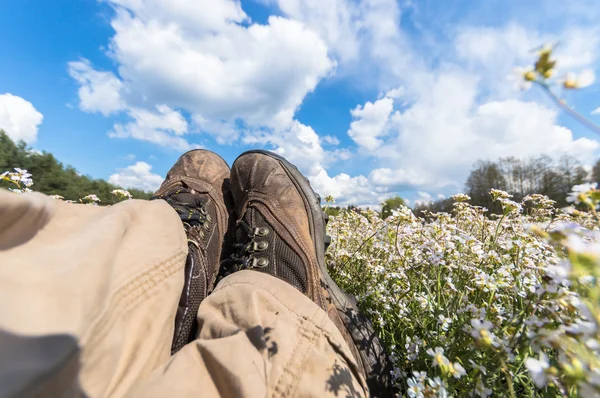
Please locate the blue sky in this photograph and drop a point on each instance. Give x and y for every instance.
(370, 98)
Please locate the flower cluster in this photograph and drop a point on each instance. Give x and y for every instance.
(543, 70)
(472, 305)
(121, 194)
(20, 178)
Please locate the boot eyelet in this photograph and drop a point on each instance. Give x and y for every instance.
(259, 246)
(262, 262)
(262, 231)
(203, 211)
(208, 217)
(206, 226)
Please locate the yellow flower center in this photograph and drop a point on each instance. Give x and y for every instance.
(529, 76)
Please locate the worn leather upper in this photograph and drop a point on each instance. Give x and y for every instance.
(197, 187)
(260, 183)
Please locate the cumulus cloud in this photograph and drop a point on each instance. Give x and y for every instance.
(330, 140)
(300, 144)
(163, 126)
(139, 175)
(209, 59)
(423, 198)
(203, 59)
(370, 122)
(99, 91)
(19, 118)
(345, 189)
(435, 141)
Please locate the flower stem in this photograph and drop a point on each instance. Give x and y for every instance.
(570, 111)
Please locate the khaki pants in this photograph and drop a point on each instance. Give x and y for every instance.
(111, 277)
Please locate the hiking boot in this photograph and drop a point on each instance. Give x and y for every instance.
(280, 231)
(197, 187)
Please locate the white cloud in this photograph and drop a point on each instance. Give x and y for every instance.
(491, 53)
(99, 91)
(423, 198)
(138, 175)
(202, 59)
(164, 126)
(434, 142)
(330, 140)
(244, 81)
(578, 48)
(209, 59)
(19, 118)
(386, 177)
(299, 143)
(596, 111)
(345, 189)
(396, 93)
(337, 22)
(370, 122)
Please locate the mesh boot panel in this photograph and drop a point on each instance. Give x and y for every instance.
(284, 263)
(195, 287)
(199, 218)
(289, 266)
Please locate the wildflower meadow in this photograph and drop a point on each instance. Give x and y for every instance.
(475, 305)
(471, 303)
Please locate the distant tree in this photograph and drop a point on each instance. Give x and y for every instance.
(572, 173)
(390, 204)
(523, 177)
(332, 211)
(596, 172)
(52, 177)
(485, 176)
(439, 206)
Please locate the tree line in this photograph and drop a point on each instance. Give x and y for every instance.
(52, 177)
(521, 177)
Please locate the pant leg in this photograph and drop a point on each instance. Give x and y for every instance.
(110, 277)
(258, 337)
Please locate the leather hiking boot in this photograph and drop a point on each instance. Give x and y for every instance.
(197, 187)
(280, 230)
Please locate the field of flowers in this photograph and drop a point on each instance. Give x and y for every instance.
(470, 304)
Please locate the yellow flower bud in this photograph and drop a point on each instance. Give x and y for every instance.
(529, 76)
(486, 339)
(552, 371)
(570, 84)
(548, 74)
(575, 370)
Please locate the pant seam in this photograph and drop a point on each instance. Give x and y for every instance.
(128, 296)
(280, 388)
(311, 339)
(281, 302)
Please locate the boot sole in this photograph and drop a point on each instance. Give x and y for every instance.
(373, 355)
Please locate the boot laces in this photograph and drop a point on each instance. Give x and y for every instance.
(191, 209)
(245, 252)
